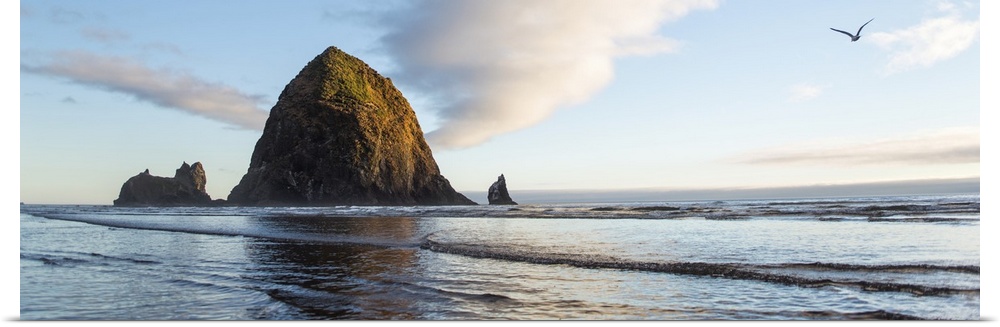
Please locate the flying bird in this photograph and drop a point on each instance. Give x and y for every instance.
(853, 36)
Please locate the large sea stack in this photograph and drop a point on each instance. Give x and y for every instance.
(186, 188)
(341, 134)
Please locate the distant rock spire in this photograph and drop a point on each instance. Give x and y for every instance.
(192, 175)
(498, 192)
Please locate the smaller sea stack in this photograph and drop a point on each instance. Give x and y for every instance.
(498, 192)
(186, 188)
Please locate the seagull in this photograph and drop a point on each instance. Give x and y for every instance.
(854, 37)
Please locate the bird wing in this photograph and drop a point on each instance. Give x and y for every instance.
(863, 26)
(848, 34)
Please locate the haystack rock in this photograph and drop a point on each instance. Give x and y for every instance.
(186, 188)
(498, 192)
(341, 134)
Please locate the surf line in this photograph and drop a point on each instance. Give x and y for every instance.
(718, 270)
(273, 235)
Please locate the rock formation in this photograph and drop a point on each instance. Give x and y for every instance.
(186, 188)
(341, 134)
(498, 192)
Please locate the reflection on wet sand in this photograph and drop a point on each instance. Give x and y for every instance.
(337, 281)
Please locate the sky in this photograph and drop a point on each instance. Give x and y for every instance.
(576, 95)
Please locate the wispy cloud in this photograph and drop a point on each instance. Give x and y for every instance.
(498, 66)
(803, 92)
(949, 146)
(120, 39)
(933, 40)
(104, 35)
(27, 12)
(61, 15)
(166, 88)
(160, 47)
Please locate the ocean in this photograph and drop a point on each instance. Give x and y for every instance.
(881, 258)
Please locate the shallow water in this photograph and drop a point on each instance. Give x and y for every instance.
(826, 259)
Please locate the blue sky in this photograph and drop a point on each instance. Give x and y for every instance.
(556, 95)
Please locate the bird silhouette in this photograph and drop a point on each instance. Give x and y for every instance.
(854, 37)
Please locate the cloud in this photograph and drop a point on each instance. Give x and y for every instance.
(948, 146)
(933, 40)
(803, 92)
(104, 35)
(107, 36)
(27, 12)
(61, 15)
(165, 88)
(162, 48)
(494, 67)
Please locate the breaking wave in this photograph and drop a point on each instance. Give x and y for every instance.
(765, 273)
